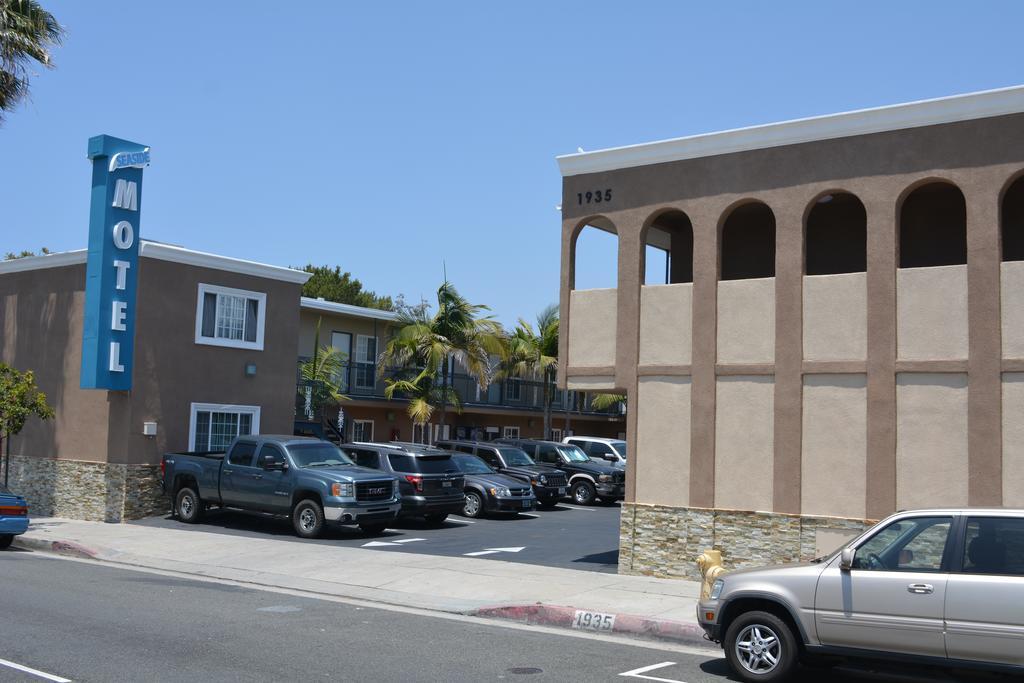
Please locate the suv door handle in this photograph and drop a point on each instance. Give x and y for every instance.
(921, 588)
(257, 476)
(227, 471)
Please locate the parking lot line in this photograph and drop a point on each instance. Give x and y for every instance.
(462, 521)
(639, 673)
(574, 507)
(34, 672)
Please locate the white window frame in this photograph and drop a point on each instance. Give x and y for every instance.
(510, 432)
(358, 362)
(364, 423)
(556, 434)
(261, 317)
(220, 408)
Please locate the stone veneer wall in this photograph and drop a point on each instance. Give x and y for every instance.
(663, 541)
(93, 491)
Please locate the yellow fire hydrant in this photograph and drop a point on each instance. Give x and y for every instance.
(710, 565)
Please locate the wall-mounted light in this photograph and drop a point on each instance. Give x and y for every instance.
(250, 369)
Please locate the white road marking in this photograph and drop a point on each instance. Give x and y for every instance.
(410, 540)
(34, 672)
(509, 550)
(492, 551)
(461, 521)
(279, 609)
(378, 544)
(573, 507)
(639, 673)
(523, 514)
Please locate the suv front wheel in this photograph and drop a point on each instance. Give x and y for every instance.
(760, 647)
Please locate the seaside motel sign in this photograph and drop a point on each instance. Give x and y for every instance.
(112, 267)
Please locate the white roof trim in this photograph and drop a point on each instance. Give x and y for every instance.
(977, 105)
(347, 309)
(64, 258)
(167, 252)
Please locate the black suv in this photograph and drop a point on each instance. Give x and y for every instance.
(430, 483)
(588, 479)
(549, 484)
(488, 491)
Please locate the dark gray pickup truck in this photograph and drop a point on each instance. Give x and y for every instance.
(309, 480)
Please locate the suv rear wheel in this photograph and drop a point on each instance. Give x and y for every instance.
(760, 647)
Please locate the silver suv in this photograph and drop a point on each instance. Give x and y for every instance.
(942, 587)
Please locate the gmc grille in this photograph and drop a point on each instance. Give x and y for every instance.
(373, 490)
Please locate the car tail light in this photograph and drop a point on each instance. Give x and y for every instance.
(163, 468)
(13, 510)
(416, 481)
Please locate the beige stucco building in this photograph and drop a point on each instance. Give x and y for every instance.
(840, 334)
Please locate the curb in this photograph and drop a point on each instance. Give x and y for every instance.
(621, 624)
(67, 548)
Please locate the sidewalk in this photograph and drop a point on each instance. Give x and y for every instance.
(642, 606)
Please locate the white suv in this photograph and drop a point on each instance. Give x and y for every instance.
(613, 451)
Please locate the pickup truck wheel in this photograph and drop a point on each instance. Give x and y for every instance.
(189, 506)
(308, 518)
(435, 519)
(6, 540)
(373, 529)
(760, 647)
(474, 506)
(583, 492)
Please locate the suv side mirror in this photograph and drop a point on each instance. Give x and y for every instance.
(846, 559)
(610, 457)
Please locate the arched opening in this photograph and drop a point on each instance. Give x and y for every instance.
(1012, 220)
(836, 238)
(748, 243)
(933, 227)
(596, 255)
(668, 249)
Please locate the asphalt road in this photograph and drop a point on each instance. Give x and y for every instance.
(85, 622)
(565, 536)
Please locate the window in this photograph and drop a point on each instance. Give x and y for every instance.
(363, 458)
(366, 362)
(362, 430)
(994, 545)
(549, 455)
(490, 457)
(909, 545)
(556, 434)
(212, 426)
(514, 390)
(241, 454)
(510, 432)
(273, 451)
(230, 317)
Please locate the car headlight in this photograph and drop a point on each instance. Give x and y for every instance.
(500, 491)
(343, 490)
(605, 477)
(543, 479)
(716, 588)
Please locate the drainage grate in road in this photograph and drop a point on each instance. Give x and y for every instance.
(525, 670)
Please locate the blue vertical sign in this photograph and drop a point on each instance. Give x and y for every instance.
(108, 334)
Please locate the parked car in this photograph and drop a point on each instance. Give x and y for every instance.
(487, 491)
(13, 516)
(549, 484)
(612, 451)
(310, 480)
(429, 481)
(942, 587)
(588, 479)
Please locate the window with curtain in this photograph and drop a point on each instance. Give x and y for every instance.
(230, 317)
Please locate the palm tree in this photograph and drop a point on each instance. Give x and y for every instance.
(529, 353)
(603, 401)
(27, 32)
(432, 344)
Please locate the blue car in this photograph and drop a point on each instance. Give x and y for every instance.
(13, 516)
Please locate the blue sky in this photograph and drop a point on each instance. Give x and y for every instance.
(391, 137)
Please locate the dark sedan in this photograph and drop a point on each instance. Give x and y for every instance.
(488, 491)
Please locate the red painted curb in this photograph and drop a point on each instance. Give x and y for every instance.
(624, 624)
(67, 548)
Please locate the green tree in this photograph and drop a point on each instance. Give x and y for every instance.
(27, 33)
(20, 398)
(531, 353)
(427, 346)
(333, 285)
(605, 401)
(24, 253)
(322, 374)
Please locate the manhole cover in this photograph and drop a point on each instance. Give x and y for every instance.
(523, 670)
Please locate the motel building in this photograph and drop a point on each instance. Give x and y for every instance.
(839, 335)
(143, 347)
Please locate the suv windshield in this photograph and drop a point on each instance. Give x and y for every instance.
(620, 446)
(470, 464)
(515, 457)
(572, 453)
(422, 464)
(318, 454)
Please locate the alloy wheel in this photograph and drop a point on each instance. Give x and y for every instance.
(307, 519)
(758, 649)
(472, 506)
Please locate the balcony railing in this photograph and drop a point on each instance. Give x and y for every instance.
(360, 381)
